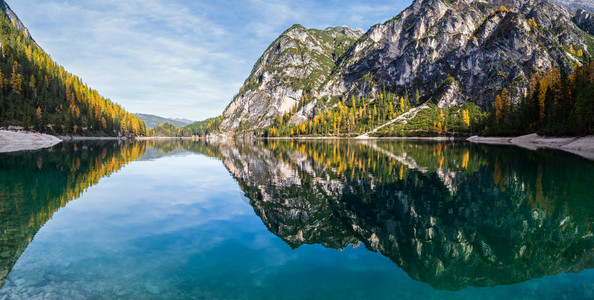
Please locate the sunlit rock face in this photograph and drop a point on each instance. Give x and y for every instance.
(298, 61)
(483, 46)
(450, 215)
(13, 17)
(577, 4)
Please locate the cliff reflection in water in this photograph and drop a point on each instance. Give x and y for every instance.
(451, 215)
(34, 185)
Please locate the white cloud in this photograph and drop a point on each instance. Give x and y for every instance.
(177, 58)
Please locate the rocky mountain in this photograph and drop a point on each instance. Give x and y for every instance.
(184, 120)
(577, 4)
(584, 20)
(299, 61)
(448, 215)
(476, 47)
(13, 17)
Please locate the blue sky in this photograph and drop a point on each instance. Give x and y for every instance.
(178, 58)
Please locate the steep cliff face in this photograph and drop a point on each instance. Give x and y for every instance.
(299, 60)
(584, 20)
(484, 46)
(13, 17)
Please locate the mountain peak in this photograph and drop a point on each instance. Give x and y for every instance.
(296, 63)
(295, 27)
(344, 30)
(12, 17)
(574, 5)
(482, 45)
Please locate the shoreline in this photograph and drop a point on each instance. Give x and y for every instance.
(582, 146)
(416, 138)
(112, 138)
(91, 138)
(148, 138)
(15, 141)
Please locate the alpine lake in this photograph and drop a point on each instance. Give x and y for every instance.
(281, 219)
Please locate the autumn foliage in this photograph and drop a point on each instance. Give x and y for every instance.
(38, 94)
(557, 103)
(347, 116)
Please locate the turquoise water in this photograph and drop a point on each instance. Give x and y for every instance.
(283, 220)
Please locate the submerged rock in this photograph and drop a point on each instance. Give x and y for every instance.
(153, 289)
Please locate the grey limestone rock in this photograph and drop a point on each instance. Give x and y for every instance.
(13, 17)
(484, 46)
(577, 4)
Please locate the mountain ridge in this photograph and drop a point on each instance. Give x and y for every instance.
(479, 47)
(285, 73)
(577, 4)
(11, 15)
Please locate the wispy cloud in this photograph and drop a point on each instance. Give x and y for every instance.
(177, 58)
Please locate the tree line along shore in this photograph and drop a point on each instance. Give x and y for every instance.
(14, 141)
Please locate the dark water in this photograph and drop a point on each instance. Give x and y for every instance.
(295, 220)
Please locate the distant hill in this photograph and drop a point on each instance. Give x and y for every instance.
(184, 120)
(153, 121)
(201, 128)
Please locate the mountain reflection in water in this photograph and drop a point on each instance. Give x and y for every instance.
(450, 214)
(34, 185)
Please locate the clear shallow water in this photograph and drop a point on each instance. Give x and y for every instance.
(280, 221)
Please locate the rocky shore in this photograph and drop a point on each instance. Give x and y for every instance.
(13, 141)
(582, 146)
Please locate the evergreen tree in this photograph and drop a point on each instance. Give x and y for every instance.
(30, 80)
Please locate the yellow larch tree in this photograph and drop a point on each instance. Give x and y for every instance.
(498, 108)
(466, 117)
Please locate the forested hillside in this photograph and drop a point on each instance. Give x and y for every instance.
(38, 94)
(197, 129)
(152, 121)
(557, 103)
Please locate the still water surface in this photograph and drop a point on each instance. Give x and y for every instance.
(295, 220)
